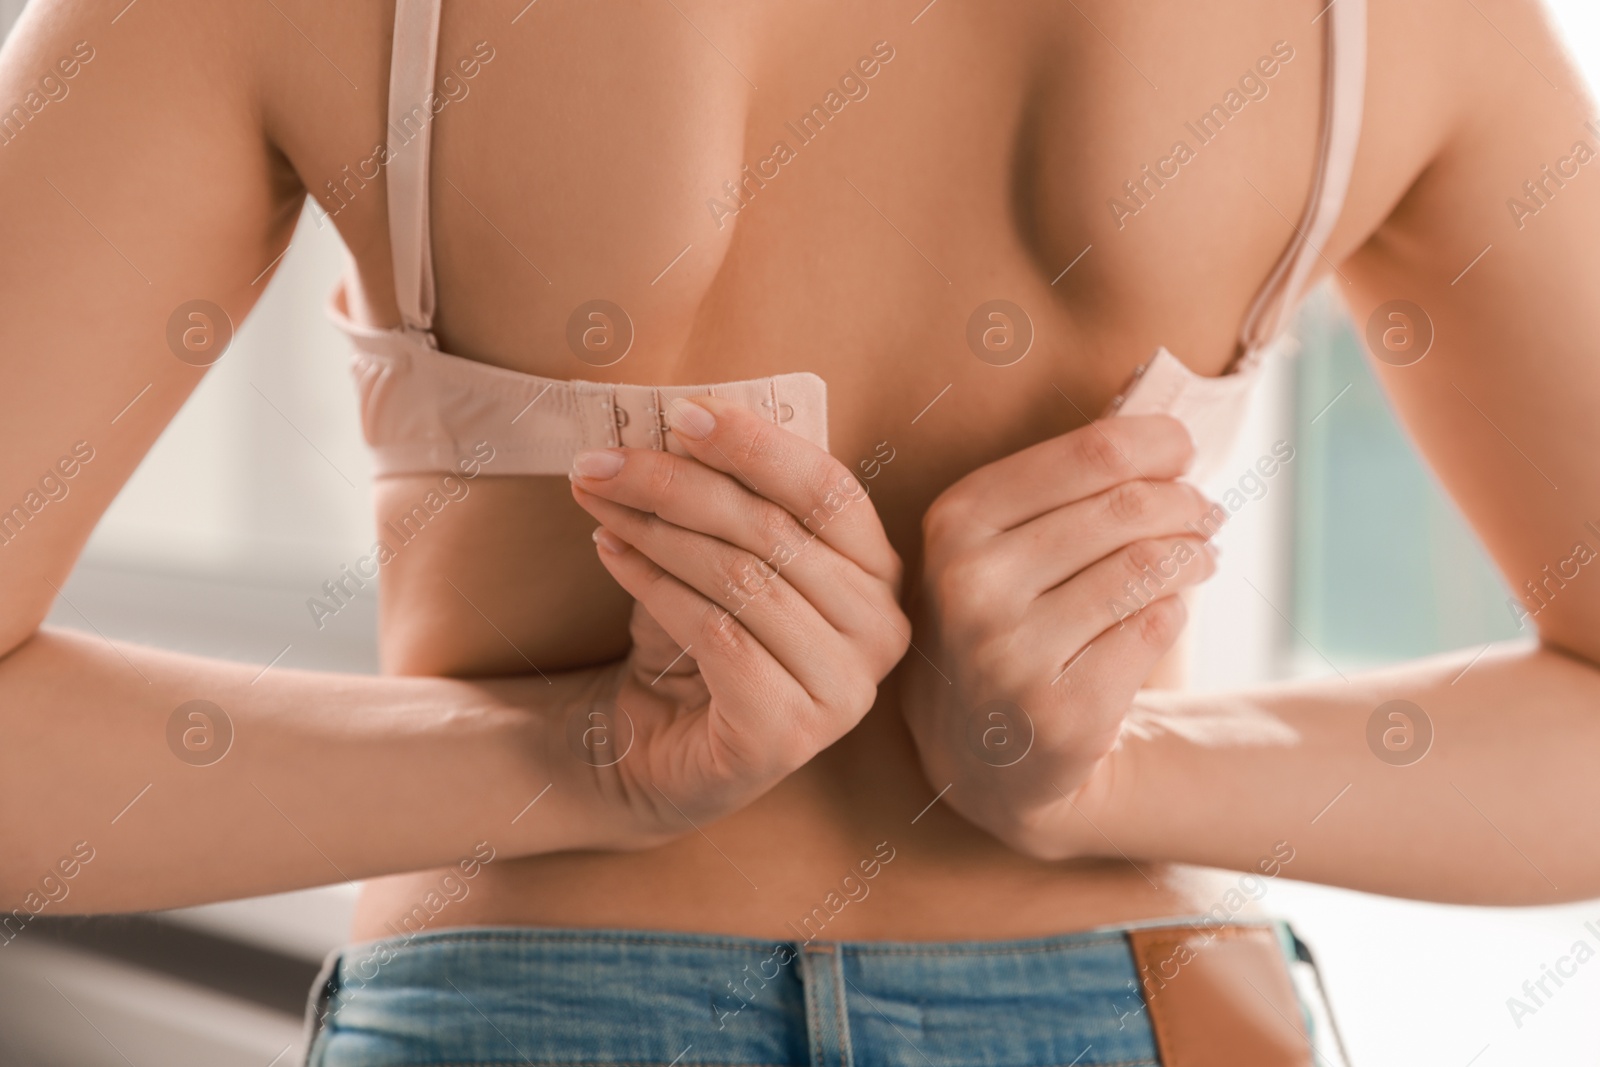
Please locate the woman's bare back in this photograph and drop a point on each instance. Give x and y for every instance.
(905, 174)
(934, 158)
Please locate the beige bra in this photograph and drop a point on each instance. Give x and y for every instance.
(423, 410)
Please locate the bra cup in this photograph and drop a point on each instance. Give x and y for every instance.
(1213, 410)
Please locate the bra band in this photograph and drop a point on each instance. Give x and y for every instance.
(423, 410)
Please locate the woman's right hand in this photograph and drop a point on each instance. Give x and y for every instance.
(766, 613)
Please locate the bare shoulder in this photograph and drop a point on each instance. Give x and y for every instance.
(143, 51)
(143, 93)
(283, 72)
(1484, 84)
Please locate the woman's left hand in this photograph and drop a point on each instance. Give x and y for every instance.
(1047, 598)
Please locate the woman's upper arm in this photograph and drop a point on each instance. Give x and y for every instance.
(1504, 405)
(135, 178)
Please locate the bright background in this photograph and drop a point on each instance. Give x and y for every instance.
(246, 505)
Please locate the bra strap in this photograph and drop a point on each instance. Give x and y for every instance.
(1344, 96)
(410, 132)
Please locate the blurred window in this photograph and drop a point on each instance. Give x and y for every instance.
(1385, 567)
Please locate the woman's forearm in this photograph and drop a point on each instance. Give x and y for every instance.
(327, 777)
(1503, 807)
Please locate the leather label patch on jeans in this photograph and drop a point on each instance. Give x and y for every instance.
(1220, 996)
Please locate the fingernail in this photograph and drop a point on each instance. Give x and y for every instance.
(597, 463)
(608, 541)
(690, 419)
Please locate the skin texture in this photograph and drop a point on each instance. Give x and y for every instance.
(1016, 587)
(980, 164)
(773, 673)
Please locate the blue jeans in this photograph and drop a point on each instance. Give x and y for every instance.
(481, 996)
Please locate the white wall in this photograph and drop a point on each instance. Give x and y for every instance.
(264, 470)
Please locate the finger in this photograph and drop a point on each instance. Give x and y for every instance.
(798, 638)
(691, 495)
(655, 653)
(1096, 686)
(1064, 469)
(1059, 544)
(734, 664)
(790, 471)
(1109, 596)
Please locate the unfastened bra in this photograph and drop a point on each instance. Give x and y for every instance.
(423, 410)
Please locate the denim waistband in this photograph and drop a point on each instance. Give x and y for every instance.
(625, 998)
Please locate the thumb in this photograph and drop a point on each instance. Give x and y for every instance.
(654, 652)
